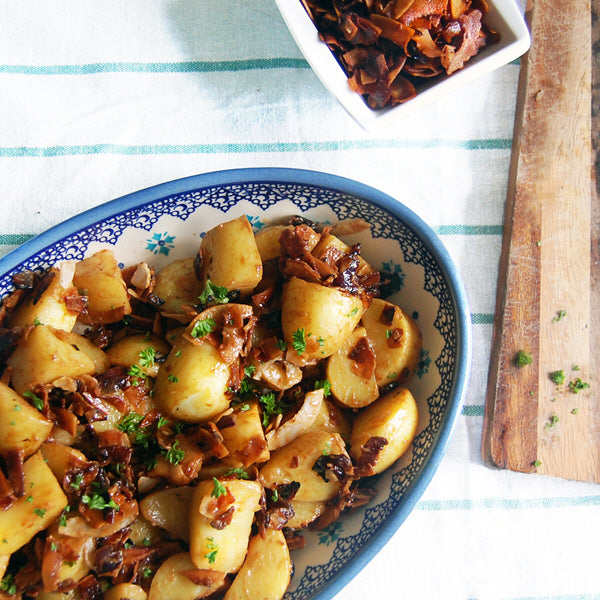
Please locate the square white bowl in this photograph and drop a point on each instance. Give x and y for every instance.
(503, 17)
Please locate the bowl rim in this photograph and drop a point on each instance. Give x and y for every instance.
(432, 243)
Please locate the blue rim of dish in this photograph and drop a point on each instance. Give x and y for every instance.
(344, 185)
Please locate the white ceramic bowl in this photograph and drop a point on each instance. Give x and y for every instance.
(503, 16)
(166, 222)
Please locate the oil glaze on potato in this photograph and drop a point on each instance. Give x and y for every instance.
(230, 257)
(394, 417)
(125, 591)
(295, 461)
(170, 582)
(35, 511)
(169, 509)
(99, 277)
(222, 549)
(267, 570)
(22, 427)
(177, 284)
(50, 308)
(397, 341)
(348, 385)
(325, 315)
(42, 357)
(191, 385)
(127, 351)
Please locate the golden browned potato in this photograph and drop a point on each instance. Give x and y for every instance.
(60, 457)
(333, 419)
(22, 426)
(100, 278)
(49, 308)
(140, 349)
(125, 591)
(43, 502)
(245, 438)
(305, 513)
(81, 555)
(267, 241)
(230, 257)
(170, 582)
(316, 319)
(177, 284)
(329, 244)
(351, 371)
(192, 384)
(395, 418)
(42, 357)
(397, 341)
(86, 346)
(169, 509)
(267, 570)
(295, 461)
(222, 549)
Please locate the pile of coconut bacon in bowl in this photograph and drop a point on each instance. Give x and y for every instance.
(389, 48)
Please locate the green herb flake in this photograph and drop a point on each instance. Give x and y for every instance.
(98, 502)
(575, 411)
(552, 422)
(40, 512)
(239, 472)
(537, 463)
(218, 488)
(577, 385)
(203, 327)
(53, 546)
(558, 377)
(130, 422)
(8, 584)
(299, 341)
(147, 357)
(560, 315)
(147, 572)
(174, 454)
(270, 407)
(522, 358)
(275, 496)
(213, 294)
(213, 550)
(324, 385)
(35, 400)
(172, 378)
(29, 499)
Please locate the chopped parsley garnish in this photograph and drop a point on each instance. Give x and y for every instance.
(136, 373)
(35, 400)
(77, 481)
(8, 584)
(270, 407)
(299, 341)
(172, 378)
(130, 422)
(147, 357)
(98, 502)
(174, 454)
(162, 422)
(552, 422)
(281, 344)
(147, 572)
(213, 294)
(558, 377)
(249, 370)
(577, 385)
(537, 463)
(275, 495)
(40, 512)
(63, 516)
(560, 315)
(213, 550)
(203, 327)
(523, 358)
(324, 385)
(239, 472)
(218, 488)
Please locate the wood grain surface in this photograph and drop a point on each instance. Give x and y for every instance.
(549, 281)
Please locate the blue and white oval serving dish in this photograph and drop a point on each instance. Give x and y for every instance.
(167, 221)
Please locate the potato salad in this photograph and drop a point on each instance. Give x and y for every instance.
(170, 434)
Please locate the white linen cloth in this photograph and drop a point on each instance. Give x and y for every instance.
(99, 99)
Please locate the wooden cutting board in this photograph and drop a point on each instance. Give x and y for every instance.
(548, 301)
